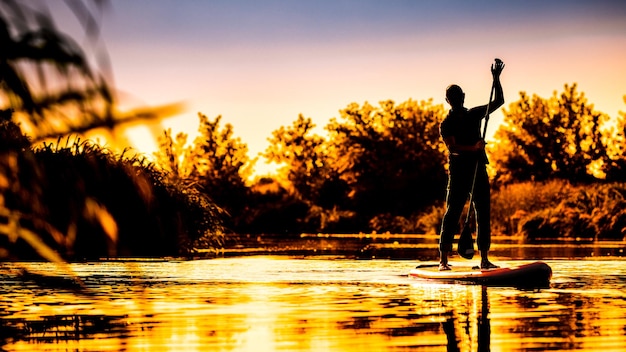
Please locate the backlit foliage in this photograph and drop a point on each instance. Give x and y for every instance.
(310, 170)
(559, 137)
(82, 201)
(216, 164)
(614, 165)
(382, 168)
(173, 155)
(391, 157)
(558, 209)
(304, 156)
(376, 164)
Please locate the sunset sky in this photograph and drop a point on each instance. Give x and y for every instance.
(261, 63)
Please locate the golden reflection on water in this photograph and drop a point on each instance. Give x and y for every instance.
(281, 304)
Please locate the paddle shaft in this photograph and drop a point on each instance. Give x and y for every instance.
(493, 86)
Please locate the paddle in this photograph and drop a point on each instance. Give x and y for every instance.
(465, 247)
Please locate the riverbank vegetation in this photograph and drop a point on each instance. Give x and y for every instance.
(556, 166)
(61, 197)
(81, 201)
(558, 169)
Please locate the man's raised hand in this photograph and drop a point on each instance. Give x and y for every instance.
(496, 68)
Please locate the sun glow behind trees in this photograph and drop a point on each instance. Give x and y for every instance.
(260, 65)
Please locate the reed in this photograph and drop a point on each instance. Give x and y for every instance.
(81, 201)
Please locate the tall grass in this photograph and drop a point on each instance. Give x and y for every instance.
(82, 201)
(552, 210)
(557, 209)
(512, 203)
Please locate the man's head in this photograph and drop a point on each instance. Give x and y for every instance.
(455, 96)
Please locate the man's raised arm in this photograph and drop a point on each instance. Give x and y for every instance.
(498, 101)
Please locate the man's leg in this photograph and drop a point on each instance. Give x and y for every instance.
(449, 224)
(457, 195)
(482, 206)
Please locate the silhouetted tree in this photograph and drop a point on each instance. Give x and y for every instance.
(614, 165)
(384, 162)
(216, 163)
(174, 156)
(313, 177)
(391, 157)
(540, 139)
(274, 210)
(301, 154)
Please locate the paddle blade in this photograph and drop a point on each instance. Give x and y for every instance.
(465, 247)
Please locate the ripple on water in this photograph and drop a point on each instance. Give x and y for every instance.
(279, 303)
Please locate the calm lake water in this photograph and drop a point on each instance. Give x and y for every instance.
(281, 303)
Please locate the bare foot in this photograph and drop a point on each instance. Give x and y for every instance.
(486, 264)
(444, 267)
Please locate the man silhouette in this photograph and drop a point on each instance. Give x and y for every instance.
(461, 133)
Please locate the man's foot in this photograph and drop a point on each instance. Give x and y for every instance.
(485, 264)
(444, 267)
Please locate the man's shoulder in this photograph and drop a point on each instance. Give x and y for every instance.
(477, 111)
(453, 115)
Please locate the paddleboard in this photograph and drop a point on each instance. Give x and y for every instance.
(535, 274)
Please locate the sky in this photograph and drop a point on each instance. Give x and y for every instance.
(259, 64)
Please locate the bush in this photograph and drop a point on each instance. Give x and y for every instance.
(429, 222)
(388, 223)
(81, 201)
(557, 209)
(514, 202)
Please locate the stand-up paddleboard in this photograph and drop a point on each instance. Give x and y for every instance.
(535, 274)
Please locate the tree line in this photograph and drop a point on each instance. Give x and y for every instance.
(383, 168)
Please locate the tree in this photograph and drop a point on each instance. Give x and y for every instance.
(302, 154)
(391, 157)
(614, 166)
(386, 162)
(541, 139)
(11, 136)
(216, 162)
(173, 155)
(310, 173)
(274, 210)
(221, 163)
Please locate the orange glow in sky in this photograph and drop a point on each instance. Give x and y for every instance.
(260, 64)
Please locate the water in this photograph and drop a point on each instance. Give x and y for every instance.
(263, 303)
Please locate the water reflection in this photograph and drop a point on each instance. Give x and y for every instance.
(283, 304)
(476, 331)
